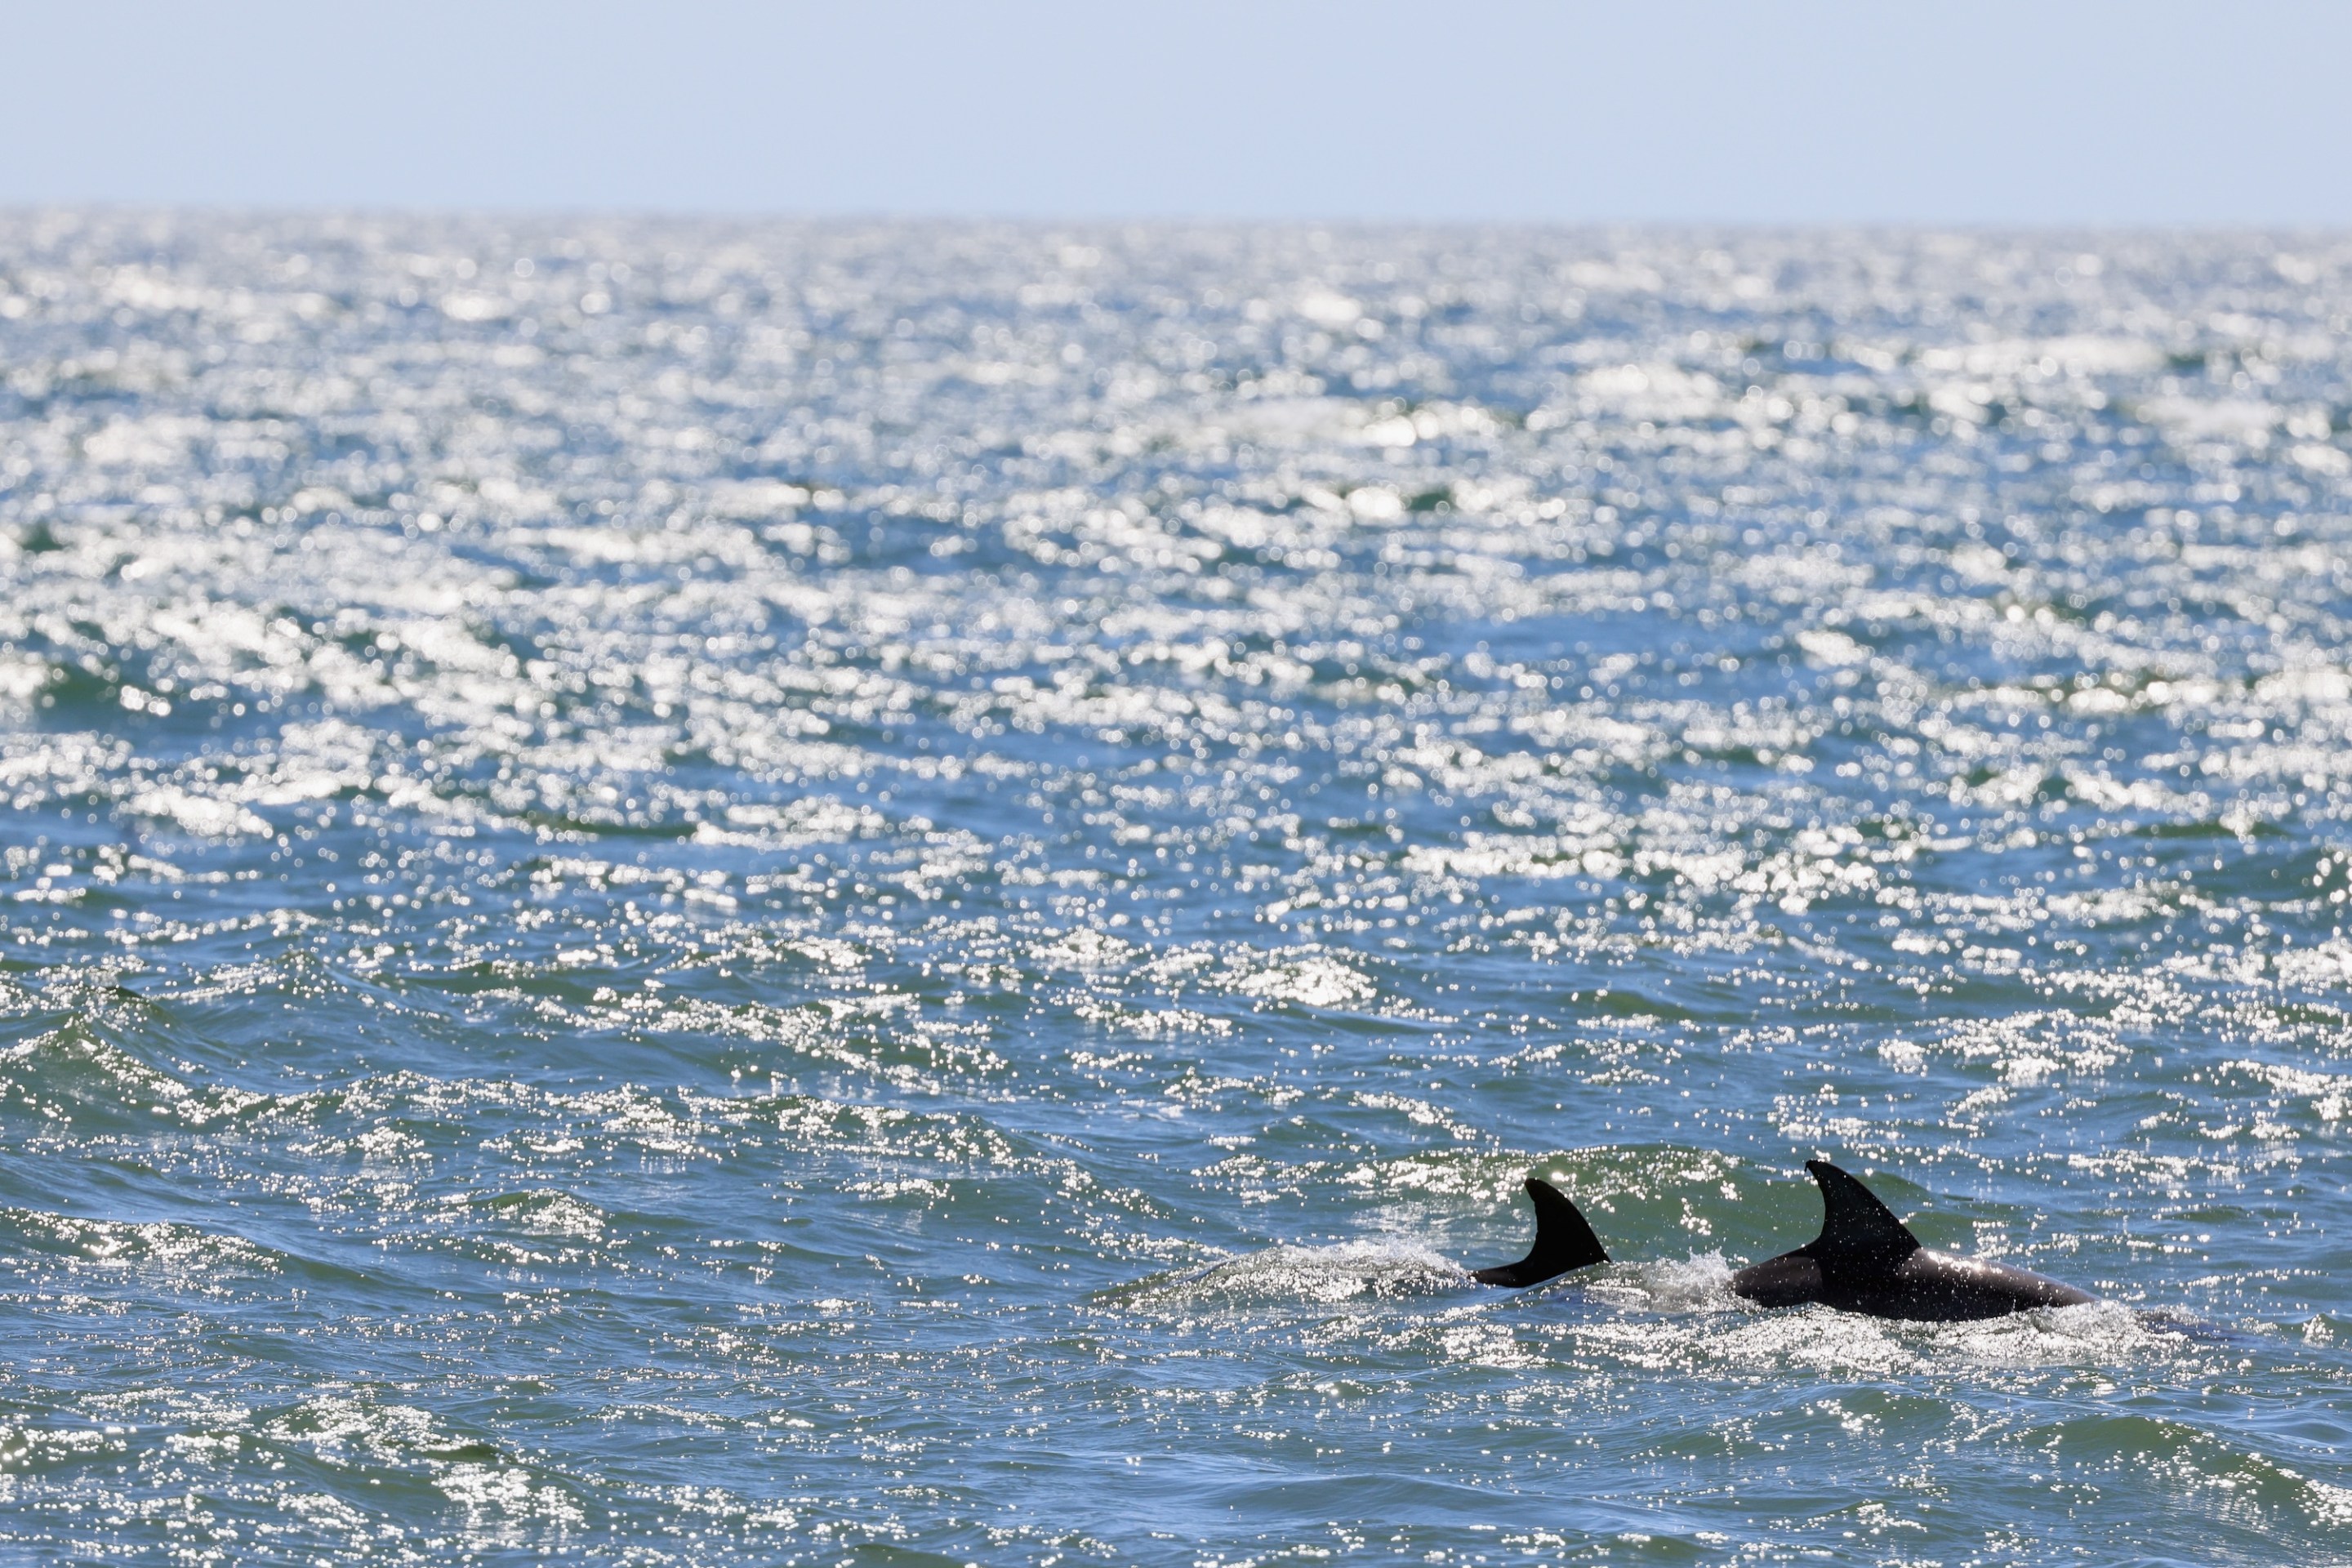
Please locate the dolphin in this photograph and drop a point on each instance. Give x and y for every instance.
(1563, 1242)
(1867, 1260)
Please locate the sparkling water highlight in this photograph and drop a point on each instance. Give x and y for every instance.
(724, 894)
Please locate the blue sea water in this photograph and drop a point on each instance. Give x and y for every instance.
(691, 894)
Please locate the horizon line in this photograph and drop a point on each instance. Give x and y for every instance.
(912, 218)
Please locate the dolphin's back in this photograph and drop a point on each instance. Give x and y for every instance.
(1937, 1286)
(1867, 1260)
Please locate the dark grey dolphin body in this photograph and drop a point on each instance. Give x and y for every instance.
(1867, 1260)
(1563, 1242)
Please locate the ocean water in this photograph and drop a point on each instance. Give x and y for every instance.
(680, 893)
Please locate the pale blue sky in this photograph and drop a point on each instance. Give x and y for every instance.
(2150, 112)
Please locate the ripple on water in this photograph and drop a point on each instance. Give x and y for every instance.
(754, 892)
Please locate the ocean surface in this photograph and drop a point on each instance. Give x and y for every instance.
(711, 894)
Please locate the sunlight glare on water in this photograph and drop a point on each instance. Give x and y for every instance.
(707, 894)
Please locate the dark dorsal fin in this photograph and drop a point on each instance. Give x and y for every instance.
(1860, 1236)
(1563, 1241)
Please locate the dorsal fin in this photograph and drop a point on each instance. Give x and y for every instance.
(1563, 1241)
(1859, 1235)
